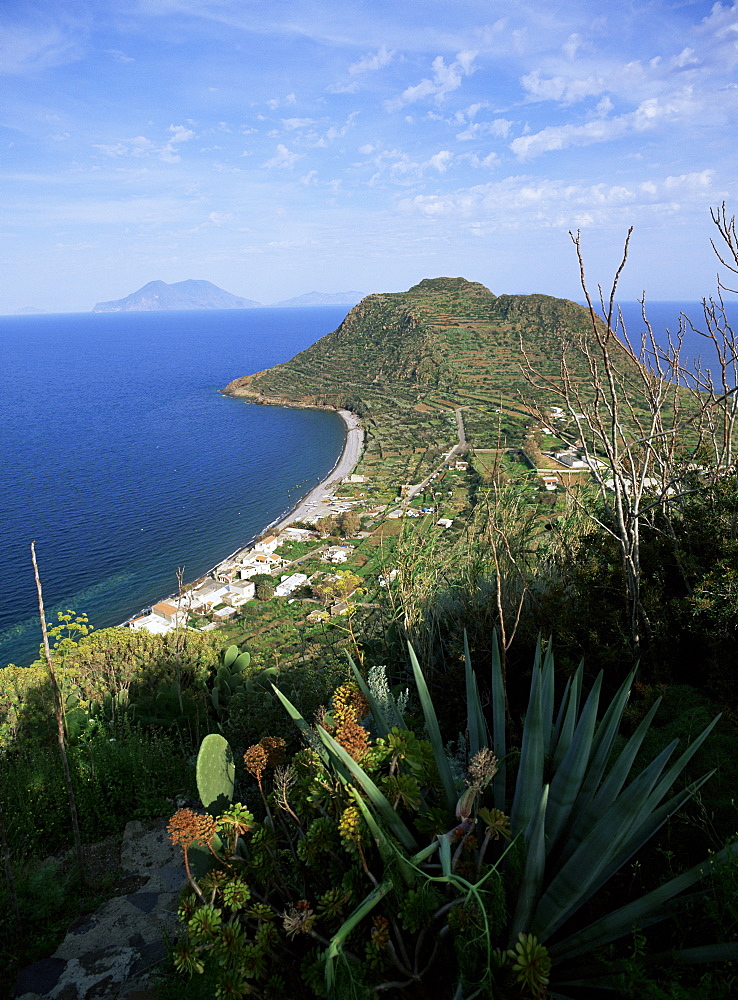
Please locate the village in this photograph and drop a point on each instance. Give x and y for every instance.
(345, 523)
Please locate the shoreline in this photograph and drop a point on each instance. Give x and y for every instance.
(345, 463)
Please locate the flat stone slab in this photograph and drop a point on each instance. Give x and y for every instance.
(105, 954)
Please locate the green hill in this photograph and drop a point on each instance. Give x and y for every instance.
(403, 361)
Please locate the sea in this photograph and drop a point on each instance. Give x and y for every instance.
(123, 461)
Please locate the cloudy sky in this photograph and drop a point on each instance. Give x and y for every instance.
(283, 146)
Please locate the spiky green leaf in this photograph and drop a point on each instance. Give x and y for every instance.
(434, 734)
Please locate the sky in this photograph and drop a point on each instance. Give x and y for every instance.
(276, 148)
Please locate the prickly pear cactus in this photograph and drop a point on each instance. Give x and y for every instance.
(215, 773)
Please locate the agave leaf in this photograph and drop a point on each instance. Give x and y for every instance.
(562, 738)
(721, 951)
(538, 655)
(434, 734)
(535, 863)
(380, 721)
(473, 709)
(569, 887)
(567, 781)
(673, 773)
(555, 735)
(498, 727)
(444, 854)
(651, 824)
(530, 772)
(547, 696)
(380, 802)
(602, 744)
(641, 912)
(356, 916)
(301, 724)
(611, 787)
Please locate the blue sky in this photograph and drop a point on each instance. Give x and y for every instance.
(281, 147)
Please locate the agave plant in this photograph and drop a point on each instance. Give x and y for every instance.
(575, 806)
(441, 883)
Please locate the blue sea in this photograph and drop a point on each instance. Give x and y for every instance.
(123, 461)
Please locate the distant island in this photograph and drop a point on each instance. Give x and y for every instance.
(321, 299)
(193, 294)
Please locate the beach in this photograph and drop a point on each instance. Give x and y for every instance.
(315, 505)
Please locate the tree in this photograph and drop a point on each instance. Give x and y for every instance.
(349, 523)
(643, 419)
(337, 587)
(327, 526)
(264, 590)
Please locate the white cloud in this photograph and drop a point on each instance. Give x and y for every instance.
(120, 57)
(292, 123)
(440, 161)
(483, 162)
(282, 102)
(400, 168)
(180, 134)
(139, 146)
(518, 201)
(646, 116)
(37, 46)
(445, 80)
(372, 61)
(559, 88)
(283, 159)
(572, 45)
(685, 58)
(499, 129)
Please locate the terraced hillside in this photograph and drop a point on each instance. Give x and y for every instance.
(403, 361)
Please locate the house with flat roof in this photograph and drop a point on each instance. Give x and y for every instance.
(290, 583)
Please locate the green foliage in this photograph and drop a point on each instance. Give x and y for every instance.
(118, 772)
(215, 773)
(264, 590)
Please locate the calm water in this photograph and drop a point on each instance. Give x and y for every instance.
(123, 461)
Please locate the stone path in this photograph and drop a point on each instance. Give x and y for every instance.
(108, 955)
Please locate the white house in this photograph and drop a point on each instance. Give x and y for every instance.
(296, 534)
(444, 522)
(267, 545)
(168, 612)
(290, 583)
(239, 592)
(337, 553)
(209, 593)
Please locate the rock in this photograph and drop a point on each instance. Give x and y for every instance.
(107, 954)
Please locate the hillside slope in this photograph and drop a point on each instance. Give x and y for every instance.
(443, 334)
(404, 361)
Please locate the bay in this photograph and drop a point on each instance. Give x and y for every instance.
(123, 461)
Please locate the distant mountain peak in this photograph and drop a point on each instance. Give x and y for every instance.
(190, 294)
